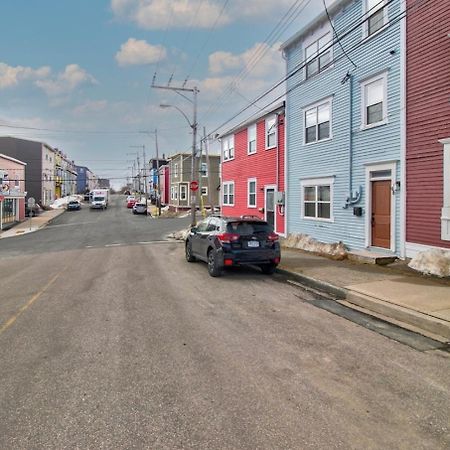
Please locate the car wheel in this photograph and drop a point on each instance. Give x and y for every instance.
(213, 268)
(189, 256)
(268, 269)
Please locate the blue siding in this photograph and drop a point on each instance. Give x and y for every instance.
(331, 158)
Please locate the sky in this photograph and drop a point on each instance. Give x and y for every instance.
(79, 72)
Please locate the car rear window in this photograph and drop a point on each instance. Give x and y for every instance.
(246, 228)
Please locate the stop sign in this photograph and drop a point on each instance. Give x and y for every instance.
(2, 198)
(194, 185)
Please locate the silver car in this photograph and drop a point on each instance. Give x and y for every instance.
(140, 208)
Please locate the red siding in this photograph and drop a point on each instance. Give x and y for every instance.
(427, 118)
(262, 165)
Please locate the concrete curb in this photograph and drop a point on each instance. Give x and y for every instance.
(61, 212)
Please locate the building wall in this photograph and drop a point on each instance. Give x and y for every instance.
(428, 121)
(262, 166)
(331, 158)
(15, 185)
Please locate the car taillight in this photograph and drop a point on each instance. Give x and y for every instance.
(272, 237)
(228, 238)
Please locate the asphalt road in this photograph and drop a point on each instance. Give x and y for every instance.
(110, 340)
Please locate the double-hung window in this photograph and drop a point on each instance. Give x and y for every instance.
(318, 55)
(228, 193)
(376, 16)
(251, 133)
(175, 170)
(374, 101)
(251, 188)
(204, 191)
(228, 148)
(318, 122)
(271, 132)
(204, 169)
(317, 199)
(183, 192)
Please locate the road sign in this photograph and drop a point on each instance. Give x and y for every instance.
(31, 202)
(2, 198)
(194, 186)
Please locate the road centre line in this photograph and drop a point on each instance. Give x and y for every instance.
(113, 245)
(12, 319)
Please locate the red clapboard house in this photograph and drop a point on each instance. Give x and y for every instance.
(252, 168)
(427, 127)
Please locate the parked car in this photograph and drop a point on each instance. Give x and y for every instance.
(73, 205)
(34, 211)
(140, 208)
(233, 241)
(131, 201)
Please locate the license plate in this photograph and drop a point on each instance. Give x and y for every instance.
(252, 244)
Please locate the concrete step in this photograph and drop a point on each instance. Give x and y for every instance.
(398, 313)
(370, 257)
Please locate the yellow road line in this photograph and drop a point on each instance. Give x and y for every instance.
(11, 320)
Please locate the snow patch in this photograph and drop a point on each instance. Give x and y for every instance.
(62, 202)
(335, 250)
(432, 262)
(179, 235)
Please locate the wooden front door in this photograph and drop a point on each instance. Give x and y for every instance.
(381, 214)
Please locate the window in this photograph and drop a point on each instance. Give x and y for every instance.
(251, 135)
(445, 213)
(228, 193)
(183, 192)
(271, 132)
(374, 102)
(204, 191)
(204, 169)
(318, 122)
(376, 16)
(317, 199)
(228, 148)
(318, 55)
(175, 170)
(251, 189)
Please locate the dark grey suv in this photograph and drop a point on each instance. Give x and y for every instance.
(233, 241)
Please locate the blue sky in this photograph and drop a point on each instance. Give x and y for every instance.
(79, 71)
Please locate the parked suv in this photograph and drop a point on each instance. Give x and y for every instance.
(233, 241)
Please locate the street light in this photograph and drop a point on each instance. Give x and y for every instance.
(193, 125)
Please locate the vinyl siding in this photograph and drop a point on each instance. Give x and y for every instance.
(370, 146)
(428, 120)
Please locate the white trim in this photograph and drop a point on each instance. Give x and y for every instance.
(412, 249)
(273, 117)
(317, 34)
(227, 183)
(183, 191)
(251, 180)
(266, 188)
(445, 214)
(363, 83)
(206, 191)
(325, 100)
(254, 125)
(392, 166)
(314, 182)
(228, 140)
(374, 10)
(402, 242)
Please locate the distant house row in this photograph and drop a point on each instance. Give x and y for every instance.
(359, 152)
(38, 170)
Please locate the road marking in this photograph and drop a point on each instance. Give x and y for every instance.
(89, 246)
(11, 320)
(112, 245)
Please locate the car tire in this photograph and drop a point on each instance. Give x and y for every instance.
(188, 250)
(213, 267)
(268, 269)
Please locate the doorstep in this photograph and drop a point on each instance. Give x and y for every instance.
(372, 257)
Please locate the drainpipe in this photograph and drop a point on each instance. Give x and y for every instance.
(353, 197)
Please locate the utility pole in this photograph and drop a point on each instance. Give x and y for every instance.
(158, 180)
(193, 125)
(208, 168)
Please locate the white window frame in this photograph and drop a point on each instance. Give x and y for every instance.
(175, 170)
(249, 132)
(445, 215)
(327, 100)
(204, 172)
(271, 130)
(204, 191)
(228, 148)
(314, 40)
(249, 204)
(369, 13)
(316, 182)
(226, 191)
(183, 192)
(364, 83)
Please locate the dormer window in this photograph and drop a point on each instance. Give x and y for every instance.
(318, 55)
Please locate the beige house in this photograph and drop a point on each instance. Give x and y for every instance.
(180, 166)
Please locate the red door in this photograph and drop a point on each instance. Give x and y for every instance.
(381, 214)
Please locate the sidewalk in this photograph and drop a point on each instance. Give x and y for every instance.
(37, 223)
(394, 293)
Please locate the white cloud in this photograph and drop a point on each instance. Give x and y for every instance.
(90, 106)
(11, 76)
(158, 14)
(67, 81)
(139, 52)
